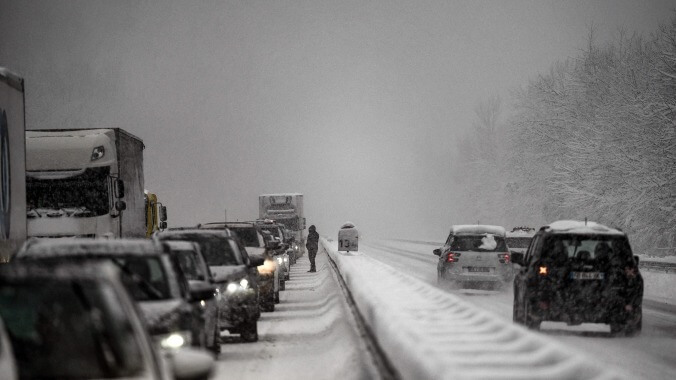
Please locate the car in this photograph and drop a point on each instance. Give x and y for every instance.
(195, 269)
(281, 254)
(253, 239)
(74, 321)
(519, 238)
(152, 277)
(8, 368)
(474, 256)
(577, 272)
(234, 272)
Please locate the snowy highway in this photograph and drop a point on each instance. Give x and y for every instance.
(648, 356)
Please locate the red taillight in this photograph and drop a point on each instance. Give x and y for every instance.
(630, 272)
(450, 258)
(543, 271)
(503, 257)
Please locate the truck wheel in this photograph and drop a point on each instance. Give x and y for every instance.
(248, 332)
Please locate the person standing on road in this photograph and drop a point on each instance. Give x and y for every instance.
(312, 246)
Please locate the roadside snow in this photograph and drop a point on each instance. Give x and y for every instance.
(431, 334)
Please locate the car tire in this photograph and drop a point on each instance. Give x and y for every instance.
(517, 311)
(629, 328)
(530, 322)
(282, 285)
(276, 297)
(249, 332)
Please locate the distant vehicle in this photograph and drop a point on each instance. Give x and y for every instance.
(578, 272)
(235, 275)
(474, 256)
(8, 368)
(281, 254)
(71, 321)
(195, 269)
(152, 277)
(84, 183)
(12, 164)
(286, 209)
(519, 238)
(156, 214)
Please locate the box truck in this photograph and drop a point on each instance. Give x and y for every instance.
(12, 164)
(84, 183)
(286, 209)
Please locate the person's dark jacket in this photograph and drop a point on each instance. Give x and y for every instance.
(312, 240)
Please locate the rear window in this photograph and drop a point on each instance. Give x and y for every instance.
(615, 250)
(518, 242)
(478, 243)
(248, 235)
(216, 249)
(190, 265)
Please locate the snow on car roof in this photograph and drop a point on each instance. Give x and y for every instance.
(66, 270)
(581, 227)
(181, 245)
(90, 247)
(477, 229)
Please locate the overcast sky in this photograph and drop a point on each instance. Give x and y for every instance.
(356, 104)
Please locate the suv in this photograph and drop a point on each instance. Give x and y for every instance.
(152, 277)
(251, 236)
(577, 272)
(235, 274)
(474, 255)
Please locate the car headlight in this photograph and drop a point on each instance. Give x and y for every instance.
(233, 287)
(268, 267)
(286, 259)
(175, 340)
(280, 261)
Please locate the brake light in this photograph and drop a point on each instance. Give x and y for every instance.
(503, 258)
(630, 272)
(452, 257)
(543, 271)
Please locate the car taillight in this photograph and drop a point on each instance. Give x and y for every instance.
(452, 257)
(630, 272)
(543, 271)
(503, 258)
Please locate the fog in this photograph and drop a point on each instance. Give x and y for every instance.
(358, 105)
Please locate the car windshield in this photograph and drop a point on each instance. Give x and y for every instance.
(518, 242)
(249, 235)
(216, 249)
(566, 248)
(190, 265)
(479, 243)
(274, 230)
(144, 278)
(68, 330)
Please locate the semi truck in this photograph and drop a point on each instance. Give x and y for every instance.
(12, 164)
(286, 209)
(84, 183)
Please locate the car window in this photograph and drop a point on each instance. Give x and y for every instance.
(144, 278)
(249, 235)
(566, 248)
(479, 243)
(215, 248)
(68, 330)
(190, 265)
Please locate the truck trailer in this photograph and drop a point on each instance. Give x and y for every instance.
(286, 209)
(84, 183)
(12, 164)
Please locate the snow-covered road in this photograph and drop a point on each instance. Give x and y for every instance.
(310, 335)
(648, 356)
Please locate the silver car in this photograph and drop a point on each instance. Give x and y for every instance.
(474, 256)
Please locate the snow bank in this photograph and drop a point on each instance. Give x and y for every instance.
(430, 334)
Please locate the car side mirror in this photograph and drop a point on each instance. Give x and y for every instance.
(201, 291)
(120, 205)
(255, 260)
(636, 259)
(163, 214)
(163, 225)
(517, 258)
(437, 252)
(119, 188)
(272, 244)
(189, 363)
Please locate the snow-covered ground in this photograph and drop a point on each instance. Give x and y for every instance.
(648, 356)
(429, 333)
(310, 335)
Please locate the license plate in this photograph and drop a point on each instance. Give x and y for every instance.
(587, 275)
(479, 269)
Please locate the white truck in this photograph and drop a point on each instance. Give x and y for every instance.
(84, 183)
(286, 209)
(12, 164)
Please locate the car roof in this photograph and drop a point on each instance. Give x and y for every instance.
(477, 229)
(195, 231)
(237, 224)
(66, 270)
(90, 247)
(580, 227)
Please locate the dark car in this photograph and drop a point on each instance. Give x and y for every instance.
(152, 277)
(282, 253)
(578, 272)
(195, 269)
(8, 368)
(74, 321)
(234, 273)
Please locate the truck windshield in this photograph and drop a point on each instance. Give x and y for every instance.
(87, 193)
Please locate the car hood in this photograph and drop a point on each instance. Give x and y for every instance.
(228, 273)
(161, 316)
